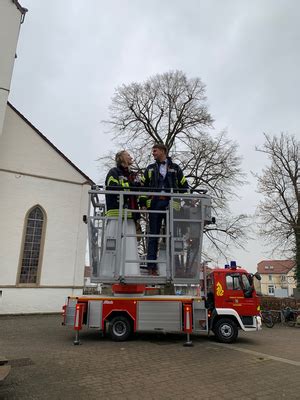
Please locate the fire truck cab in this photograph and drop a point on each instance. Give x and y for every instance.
(232, 302)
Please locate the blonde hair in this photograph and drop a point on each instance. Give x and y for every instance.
(119, 157)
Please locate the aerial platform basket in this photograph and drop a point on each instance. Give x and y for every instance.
(118, 244)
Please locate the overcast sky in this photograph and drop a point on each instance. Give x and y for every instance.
(72, 54)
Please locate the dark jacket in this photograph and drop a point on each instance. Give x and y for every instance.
(119, 178)
(152, 182)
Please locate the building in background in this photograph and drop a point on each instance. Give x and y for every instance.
(277, 278)
(42, 200)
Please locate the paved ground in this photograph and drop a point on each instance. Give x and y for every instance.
(46, 365)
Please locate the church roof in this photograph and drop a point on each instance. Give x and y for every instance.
(19, 7)
(89, 180)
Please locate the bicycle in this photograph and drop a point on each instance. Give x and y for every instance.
(290, 316)
(267, 319)
(276, 315)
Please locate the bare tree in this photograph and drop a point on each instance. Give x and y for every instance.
(169, 108)
(164, 108)
(212, 162)
(280, 185)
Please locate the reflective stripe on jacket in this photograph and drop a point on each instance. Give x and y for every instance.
(117, 179)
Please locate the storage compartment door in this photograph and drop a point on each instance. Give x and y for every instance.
(199, 316)
(159, 316)
(95, 314)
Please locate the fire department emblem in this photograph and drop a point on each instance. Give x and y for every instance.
(220, 290)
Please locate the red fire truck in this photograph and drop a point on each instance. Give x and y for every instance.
(226, 300)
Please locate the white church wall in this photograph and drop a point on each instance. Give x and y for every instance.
(63, 251)
(63, 256)
(40, 300)
(63, 195)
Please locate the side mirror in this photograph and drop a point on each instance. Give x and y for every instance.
(257, 276)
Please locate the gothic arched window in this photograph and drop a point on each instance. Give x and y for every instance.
(32, 246)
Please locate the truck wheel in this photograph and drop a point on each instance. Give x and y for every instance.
(119, 329)
(268, 321)
(226, 330)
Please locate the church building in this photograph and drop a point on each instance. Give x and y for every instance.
(43, 197)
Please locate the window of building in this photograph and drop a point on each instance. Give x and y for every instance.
(269, 267)
(271, 290)
(270, 278)
(291, 279)
(283, 278)
(32, 246)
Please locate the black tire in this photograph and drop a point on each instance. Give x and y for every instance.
(119, 329)
(226, 330)
(268, 321)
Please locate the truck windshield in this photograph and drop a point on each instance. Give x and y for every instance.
(235, 281)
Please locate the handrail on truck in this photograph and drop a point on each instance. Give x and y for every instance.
(118, 254)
